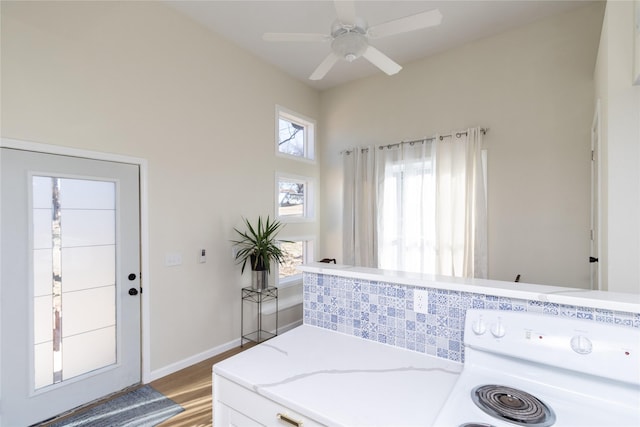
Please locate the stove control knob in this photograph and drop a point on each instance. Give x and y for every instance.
(479, 327)
(581, 344)
(497, 329)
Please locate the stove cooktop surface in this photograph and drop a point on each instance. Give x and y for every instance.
(524, 369)
(566, 408)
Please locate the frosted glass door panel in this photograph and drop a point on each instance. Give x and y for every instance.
(42, 318)
(88, 227)
(88, 267)
(85, 311)
(88, 352)
(43, 360)
(84, 194)
(41, 192)
(42, 228)
(42, 271)
(74, 268)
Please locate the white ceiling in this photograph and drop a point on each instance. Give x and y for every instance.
(244, 22)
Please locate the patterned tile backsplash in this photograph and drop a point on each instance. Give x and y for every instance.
(383, 312)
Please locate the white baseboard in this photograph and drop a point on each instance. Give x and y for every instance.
(185, 363)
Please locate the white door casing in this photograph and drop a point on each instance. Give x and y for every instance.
(22, 401)
(594, 250)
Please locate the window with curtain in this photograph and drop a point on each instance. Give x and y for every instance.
(426, 211)
(406, 208)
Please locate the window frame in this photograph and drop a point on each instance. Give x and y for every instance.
(308, 254)
(309, 126)
(308, 214)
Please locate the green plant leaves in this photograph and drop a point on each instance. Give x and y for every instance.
(258, 244)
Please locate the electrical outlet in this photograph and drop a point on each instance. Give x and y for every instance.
(420, 300)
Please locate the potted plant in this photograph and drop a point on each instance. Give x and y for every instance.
(258, 246)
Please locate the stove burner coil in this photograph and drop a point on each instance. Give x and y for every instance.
(512, 405)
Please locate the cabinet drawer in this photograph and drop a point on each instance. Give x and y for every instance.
(249, 404)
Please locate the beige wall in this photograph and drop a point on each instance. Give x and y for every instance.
(533, 87)
(138, 79)
(620, 148)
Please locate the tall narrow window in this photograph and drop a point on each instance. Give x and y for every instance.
(295, 135)
(294, 198)
(296, 253)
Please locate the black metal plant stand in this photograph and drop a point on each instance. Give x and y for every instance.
(258, 296)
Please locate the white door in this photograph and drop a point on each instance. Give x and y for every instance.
(70, 263)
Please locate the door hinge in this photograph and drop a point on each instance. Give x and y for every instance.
(593, 155)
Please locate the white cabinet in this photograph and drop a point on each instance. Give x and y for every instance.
(234, 405)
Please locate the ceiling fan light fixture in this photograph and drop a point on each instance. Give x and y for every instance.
(350, 45)
(350, 36)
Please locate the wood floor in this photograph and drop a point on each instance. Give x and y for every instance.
(191, 389)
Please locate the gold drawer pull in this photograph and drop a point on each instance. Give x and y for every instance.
(291, 421)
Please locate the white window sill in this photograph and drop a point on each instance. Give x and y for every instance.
(269, 308)
(286, 302)
(289, 283)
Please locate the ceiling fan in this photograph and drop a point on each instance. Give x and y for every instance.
(350, 37)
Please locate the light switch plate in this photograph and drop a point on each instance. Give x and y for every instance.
(172, 258)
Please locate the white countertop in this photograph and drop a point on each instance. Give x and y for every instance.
(555, 294)
(341, 380)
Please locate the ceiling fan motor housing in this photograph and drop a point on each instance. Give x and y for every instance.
(349, 41)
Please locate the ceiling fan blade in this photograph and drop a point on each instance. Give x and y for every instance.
(381, 60)
(408, 23)
(324, 67)
(295, 37)
(346, 10)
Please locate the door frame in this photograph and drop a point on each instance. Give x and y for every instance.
(596, 211)
(145, 281)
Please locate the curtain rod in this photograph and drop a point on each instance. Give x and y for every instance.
(415, 141)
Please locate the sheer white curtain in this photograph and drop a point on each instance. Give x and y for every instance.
(461, 209)
(431, 206)
(406, 207)
(360, 241)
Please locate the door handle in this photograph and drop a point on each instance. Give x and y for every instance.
(133, 292)
(593, 259)
(132, 276)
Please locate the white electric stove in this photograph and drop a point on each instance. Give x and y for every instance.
(524, 369)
